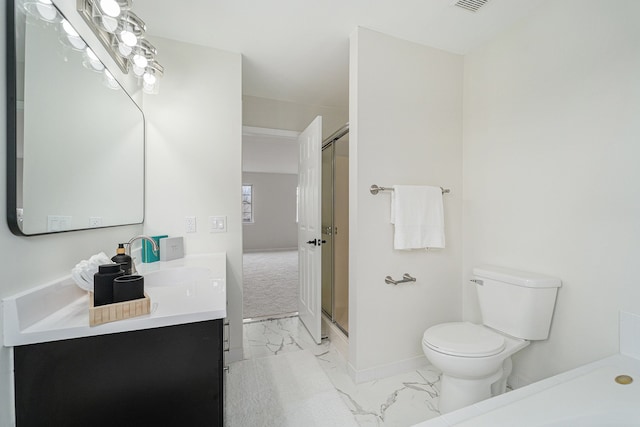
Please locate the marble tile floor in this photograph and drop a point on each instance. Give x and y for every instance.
(398, 401)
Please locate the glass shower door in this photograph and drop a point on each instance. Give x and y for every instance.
(335, 231)
(327, 227)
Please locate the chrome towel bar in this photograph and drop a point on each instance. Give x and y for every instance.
(406, 277)
(376, 189)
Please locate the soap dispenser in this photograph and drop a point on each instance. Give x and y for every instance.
(123, 259)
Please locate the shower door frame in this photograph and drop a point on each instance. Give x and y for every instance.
(330, 142)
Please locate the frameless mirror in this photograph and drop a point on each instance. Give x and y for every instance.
(75, 138)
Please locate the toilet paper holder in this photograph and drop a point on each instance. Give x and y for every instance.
(406, 277)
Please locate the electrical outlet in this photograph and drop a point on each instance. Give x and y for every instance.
(190, 224)
(217, 224)
(58, 222)
(95, 221)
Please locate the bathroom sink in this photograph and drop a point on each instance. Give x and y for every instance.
(178, 276)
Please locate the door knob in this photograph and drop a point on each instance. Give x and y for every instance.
(316, 242)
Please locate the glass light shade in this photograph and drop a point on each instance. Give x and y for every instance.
(140, 60)
(124, 50)
(43, 10)
(109, 23)
(151, 89)
(138, 71)
(68, 28)
(76, 43)
(110, 8)
(149, 79)
(128, 37)
(71, 37)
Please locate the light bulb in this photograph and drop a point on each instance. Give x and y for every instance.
(46, 10)
(140, 60)
(149, 79)
(128, 38)
(110, 7)
(68, 28)
(92, 56)
(124, 50)
(138, 71)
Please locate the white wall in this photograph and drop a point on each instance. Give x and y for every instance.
(31, 261)
(406, 128)
(269, 150)
(551, 177)
(194, 134)
(274, 212)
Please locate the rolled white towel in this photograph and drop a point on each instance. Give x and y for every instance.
(83, 272)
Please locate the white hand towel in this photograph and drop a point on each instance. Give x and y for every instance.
(83, 272)
(418, 216)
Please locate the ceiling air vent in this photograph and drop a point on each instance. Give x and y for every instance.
(470, 5)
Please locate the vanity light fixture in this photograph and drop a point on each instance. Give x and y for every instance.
(119, 30)
(122, 33)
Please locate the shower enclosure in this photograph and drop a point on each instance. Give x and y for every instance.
(335, 228)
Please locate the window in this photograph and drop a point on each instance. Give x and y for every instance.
(247, 203)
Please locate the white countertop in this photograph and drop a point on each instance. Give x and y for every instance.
(60, 310)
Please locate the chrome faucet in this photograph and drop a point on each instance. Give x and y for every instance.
(154, 246)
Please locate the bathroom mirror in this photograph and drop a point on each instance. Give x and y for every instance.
(75, 138)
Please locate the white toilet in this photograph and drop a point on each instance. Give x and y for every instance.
(475, 360)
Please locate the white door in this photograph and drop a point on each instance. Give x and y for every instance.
(309, 232)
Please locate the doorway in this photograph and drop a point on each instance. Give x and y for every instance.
(335, 228)
(269, 191)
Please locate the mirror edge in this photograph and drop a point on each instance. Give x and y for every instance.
(11, 86)
(11, 134)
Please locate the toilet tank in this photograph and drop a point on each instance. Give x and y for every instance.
(515, 302)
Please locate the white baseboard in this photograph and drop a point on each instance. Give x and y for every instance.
(384, 371)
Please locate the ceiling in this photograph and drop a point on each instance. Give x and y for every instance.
(298, 50)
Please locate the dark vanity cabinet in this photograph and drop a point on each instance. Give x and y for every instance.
(168, 376)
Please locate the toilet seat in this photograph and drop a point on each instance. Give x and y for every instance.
(464, 339)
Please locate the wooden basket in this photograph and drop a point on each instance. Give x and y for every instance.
(118, 311)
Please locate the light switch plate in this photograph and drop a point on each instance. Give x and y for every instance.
(171, 248)
(217, 224)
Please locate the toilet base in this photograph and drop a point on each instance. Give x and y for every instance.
(456, 393)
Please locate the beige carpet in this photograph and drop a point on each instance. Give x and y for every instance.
(270, 283)
(287, 390)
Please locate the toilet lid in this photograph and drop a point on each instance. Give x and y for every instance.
(464, 339)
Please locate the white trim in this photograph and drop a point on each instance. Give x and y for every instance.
(267, 133)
